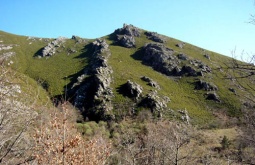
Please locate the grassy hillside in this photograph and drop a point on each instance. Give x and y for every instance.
(62, 69)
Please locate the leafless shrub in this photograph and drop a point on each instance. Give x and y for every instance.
(15, 119)
(58, 142)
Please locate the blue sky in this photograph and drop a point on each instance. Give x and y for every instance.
(217, 25)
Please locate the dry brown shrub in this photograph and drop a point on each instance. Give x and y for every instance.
(58, 142)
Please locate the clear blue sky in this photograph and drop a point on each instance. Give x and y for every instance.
(217, 25)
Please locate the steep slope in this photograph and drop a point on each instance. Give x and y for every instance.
(181, 81)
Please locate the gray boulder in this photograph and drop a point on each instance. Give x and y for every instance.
(51, 48)
(78, 40)
(134, 90)
(150, 82)
(205, 85)
(182, 57)
(155, 37)
(155, 103)
(126, 41)
(180, 45)
(128, 30)
(160, 58)
(126, 35)
(189, 71)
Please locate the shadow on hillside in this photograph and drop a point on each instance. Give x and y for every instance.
(69, 90)
(122, 89)
(87, 51)
(39, 53)
(138, 55)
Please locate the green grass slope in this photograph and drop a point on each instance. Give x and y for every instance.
(63, 68)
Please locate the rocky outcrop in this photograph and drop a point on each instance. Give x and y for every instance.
(182, 57)
(128, 30)
(155, 103)
(150, 82)
(155, 37)
(189, 71)
(213, 96)
(205, 86)
(126, 35)
(51, 48)
(78, 40)
(160, 58)
(184, 116)
(5, 47)
(133, 90)
(94, 90)
(200, 65)
(126, 41)
(180, 45)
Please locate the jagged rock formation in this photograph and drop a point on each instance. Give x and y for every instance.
(126, 35)
(7, 54)
(160, 58)
(199, 64)
(154, 37)
(163, 60)
(51, 48)
(156, 103)
(133, 90)
(95, 92)
(205, 85)
(102, 76)
(150, 82)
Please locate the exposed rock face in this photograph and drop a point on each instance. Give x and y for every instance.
(126, 35)
(163, 60)
(5, 47)
(201, 66)
(160, 58)
(78, 39)
(185, 117)
(51, 48)
(206, 86)
(150, 82)
(189, 71)
(128, 30)
(134, 90)
(182, 57)
(95, 91)
(156, 103)
(155, 37)
(213, 96)
(126, 41)
(180, 45)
